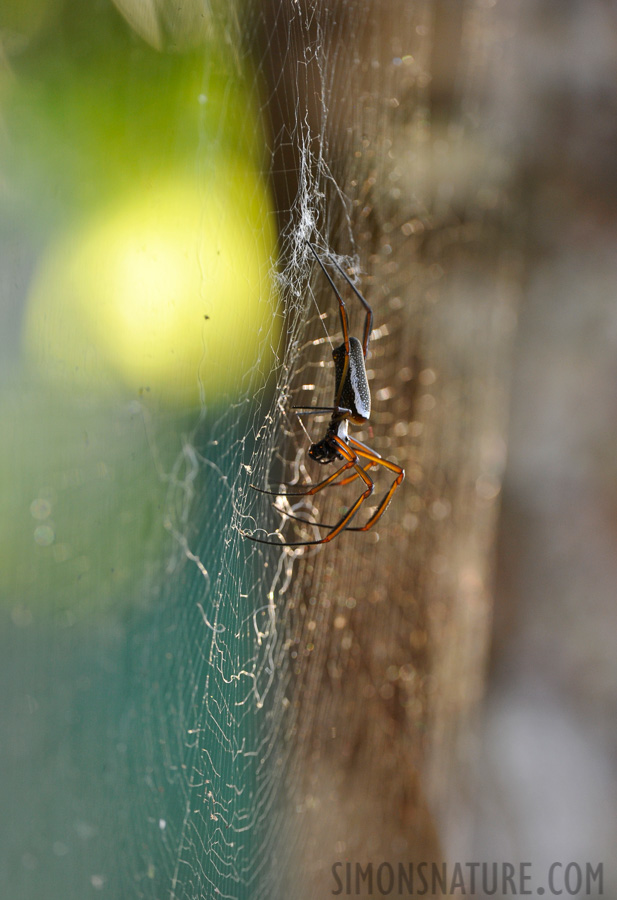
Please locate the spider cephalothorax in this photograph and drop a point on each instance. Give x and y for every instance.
(324, 451)
(352, 404)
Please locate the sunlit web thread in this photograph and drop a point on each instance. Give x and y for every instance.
(217, 721)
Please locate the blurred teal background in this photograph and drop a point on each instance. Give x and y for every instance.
(107, 504)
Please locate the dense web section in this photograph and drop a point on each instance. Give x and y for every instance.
(210, 728)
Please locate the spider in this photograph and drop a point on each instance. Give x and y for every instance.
(352, 404)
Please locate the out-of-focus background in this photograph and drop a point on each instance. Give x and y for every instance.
(548, 787)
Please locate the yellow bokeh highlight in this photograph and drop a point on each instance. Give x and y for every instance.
(169, 292)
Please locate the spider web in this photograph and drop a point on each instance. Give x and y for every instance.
(216, 712)
(217, 723)
(200, 769)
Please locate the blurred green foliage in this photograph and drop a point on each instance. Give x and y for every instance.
(89, 109)
(82, 508)
(90, 114)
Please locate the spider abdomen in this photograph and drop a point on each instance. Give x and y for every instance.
(352, 403)
(354, 393)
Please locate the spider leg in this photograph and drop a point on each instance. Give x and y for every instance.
(368, 325)
(358, 446)
(350, 478)
(306, 521)
(366, 453)
(313, 489)
(352, 459)
(333, 483)
(341, 302)
(374, 460)
(341, 483)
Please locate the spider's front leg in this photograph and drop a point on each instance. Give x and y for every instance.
(352, 461)
(313, 489)
(377, 460)
(352, 458)
(374, 459)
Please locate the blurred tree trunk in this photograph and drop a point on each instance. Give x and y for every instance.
(389, 636)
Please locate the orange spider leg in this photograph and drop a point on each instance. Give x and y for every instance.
(351, 478)
(374, 460)
(352, 460)
(313, 489)
(377, 460)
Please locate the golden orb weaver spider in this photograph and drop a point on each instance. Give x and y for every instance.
(352, 404)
